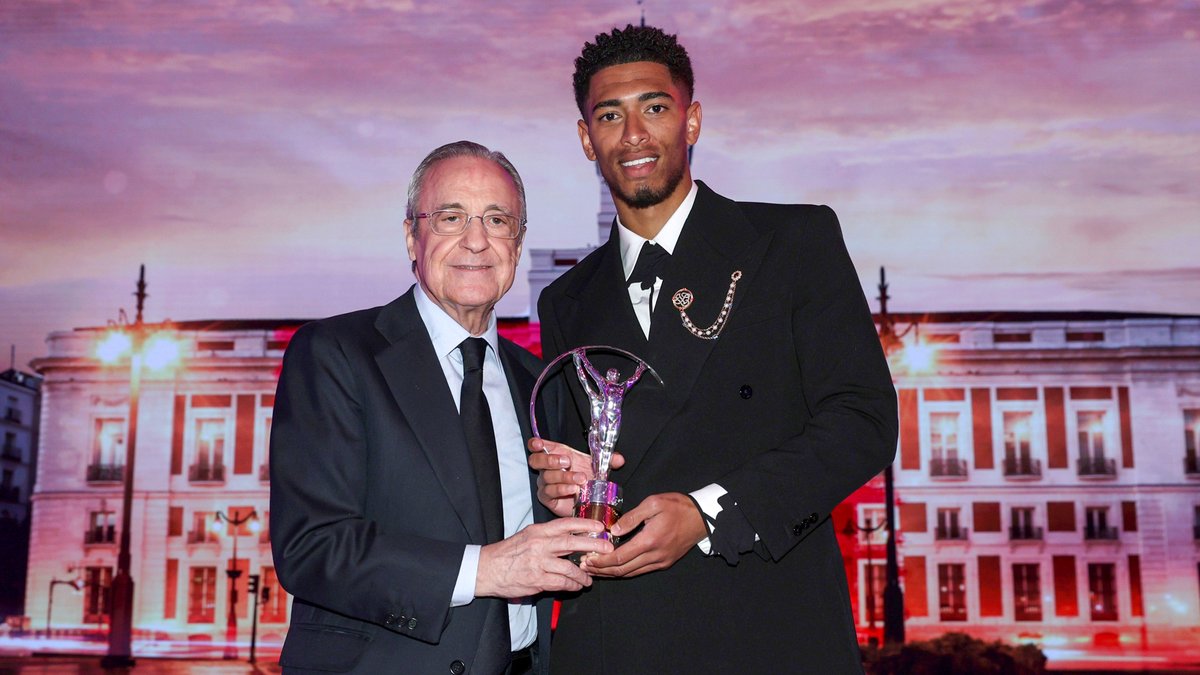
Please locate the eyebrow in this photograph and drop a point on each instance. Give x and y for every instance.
(455, 205)
(642, 98)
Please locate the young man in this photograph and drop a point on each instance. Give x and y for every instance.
(777, 401)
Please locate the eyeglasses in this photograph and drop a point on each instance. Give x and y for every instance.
(497, 224)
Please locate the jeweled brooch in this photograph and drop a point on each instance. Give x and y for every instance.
(683, 298)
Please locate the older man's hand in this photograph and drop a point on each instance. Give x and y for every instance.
(531, 561)
(561, 472)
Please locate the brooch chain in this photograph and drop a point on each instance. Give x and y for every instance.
(683, 298)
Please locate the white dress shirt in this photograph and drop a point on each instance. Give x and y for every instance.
(631, 248)
(447, 335)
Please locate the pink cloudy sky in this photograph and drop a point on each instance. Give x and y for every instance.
(254, 154)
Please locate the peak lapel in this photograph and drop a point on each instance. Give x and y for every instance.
(599, 311)
(715, 241)
(410, 367)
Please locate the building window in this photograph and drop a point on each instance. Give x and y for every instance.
(209, 462)
(1191, 442)
(874, 581)
(948, 525)
(1102, 591)
(274, 603)
(101, 528)
(1027, 592)
(11, 451)
(264, 469)
(1096, 525)
(202, 595)
(97, 591)
(952, 592)
(1091, 429)
(1018, 445)
(108, 450)
(12, 413)
(202, 532)
(1022, 527)
(943, 443)
(1196, 522)
(8, 491)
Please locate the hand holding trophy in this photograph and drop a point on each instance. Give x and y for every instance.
(599, 498)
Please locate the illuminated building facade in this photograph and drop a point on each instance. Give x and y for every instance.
(202, 449)
(1047, 481)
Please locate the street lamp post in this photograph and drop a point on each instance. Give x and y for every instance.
(76, 584)
(158, 352)
(120, 634)
(235, 522)
(893, 595)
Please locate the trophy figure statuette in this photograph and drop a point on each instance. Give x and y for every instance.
(599, 498)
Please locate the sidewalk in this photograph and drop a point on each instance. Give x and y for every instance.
(90, 665)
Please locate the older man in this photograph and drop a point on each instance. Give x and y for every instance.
(402, 509)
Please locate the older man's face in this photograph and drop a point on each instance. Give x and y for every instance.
(465, 274)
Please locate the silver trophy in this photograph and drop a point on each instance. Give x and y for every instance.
(600, 498)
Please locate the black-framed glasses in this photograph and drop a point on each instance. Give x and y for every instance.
(497, 224)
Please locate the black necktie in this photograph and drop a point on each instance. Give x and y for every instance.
(481, 437)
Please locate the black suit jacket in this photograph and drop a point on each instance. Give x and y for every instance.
(791, 409)
(373, 498)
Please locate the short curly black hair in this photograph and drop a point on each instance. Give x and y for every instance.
(630, 45)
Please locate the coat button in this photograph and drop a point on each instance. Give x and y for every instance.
(389, 620)
(412, 623)
(746, 391)
(457, 667)
(798, 529)
(813, 518)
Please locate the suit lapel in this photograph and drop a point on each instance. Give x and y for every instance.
(520, 386)
(410, 367)
(716, 240)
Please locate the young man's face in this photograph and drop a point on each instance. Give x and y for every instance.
(638, 127)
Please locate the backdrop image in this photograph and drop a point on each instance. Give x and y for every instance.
(1024, 170)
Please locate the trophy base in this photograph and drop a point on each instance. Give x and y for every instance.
(599, 500)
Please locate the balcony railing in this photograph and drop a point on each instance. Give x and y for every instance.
(948, 468)
(1097, 466)
(264, 473)
(942, 533)
(100, 535)
(1022, 467)
(206, 473)
(105, 473)
(1096, 533)
(1024, 533)
(1191, 464)
(201, 537)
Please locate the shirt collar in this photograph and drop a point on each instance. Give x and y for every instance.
(446, 333)
(667, 237)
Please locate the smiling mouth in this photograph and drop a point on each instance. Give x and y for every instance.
(472, 268)
(639, 162)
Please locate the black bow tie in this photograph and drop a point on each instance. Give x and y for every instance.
(651, 265)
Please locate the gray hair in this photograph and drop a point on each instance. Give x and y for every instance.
(449, 151)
